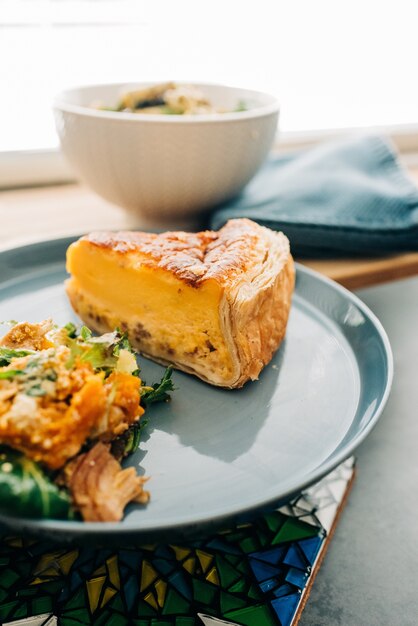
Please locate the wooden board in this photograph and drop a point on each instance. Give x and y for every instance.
(356, 273)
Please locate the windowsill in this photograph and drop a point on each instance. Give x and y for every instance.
(48, 167)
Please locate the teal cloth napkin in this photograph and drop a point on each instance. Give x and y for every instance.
(350, 196)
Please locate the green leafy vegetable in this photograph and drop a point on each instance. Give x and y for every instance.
(107, 352)
(129, 441)
(32, 376)
(85, 333)
(27, 490)
(159, 391)
(134, 437)
(7, 354)
(96, 354)
(122, 342)
(71, 330)
(6, 374)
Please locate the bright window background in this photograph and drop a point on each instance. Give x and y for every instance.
(332, 64)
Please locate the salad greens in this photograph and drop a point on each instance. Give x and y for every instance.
(33, 374)
(7, 354)
(27, 490)
(8, 374)
(105, 352)
(129, 441)
(158, 392)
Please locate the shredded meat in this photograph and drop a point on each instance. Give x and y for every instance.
(29, 336)
(100, 488)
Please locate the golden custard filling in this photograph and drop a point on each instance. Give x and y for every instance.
(159, 311)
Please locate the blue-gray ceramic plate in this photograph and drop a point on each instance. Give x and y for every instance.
(216, 456)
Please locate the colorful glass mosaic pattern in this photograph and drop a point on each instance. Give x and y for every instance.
(254, 574)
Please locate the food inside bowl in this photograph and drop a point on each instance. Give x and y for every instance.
(168, 99)
(71, 408)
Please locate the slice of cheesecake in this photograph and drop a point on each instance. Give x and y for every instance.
(214, 304)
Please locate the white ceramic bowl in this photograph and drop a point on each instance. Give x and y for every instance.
(165, 166)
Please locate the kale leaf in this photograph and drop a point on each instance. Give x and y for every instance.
(128, 442)
(159, 391)
(27, 490)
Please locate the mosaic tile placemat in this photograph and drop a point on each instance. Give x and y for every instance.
(256, 574)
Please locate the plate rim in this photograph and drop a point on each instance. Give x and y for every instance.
(78, 529)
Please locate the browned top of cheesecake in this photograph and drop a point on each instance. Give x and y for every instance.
(194, 257)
